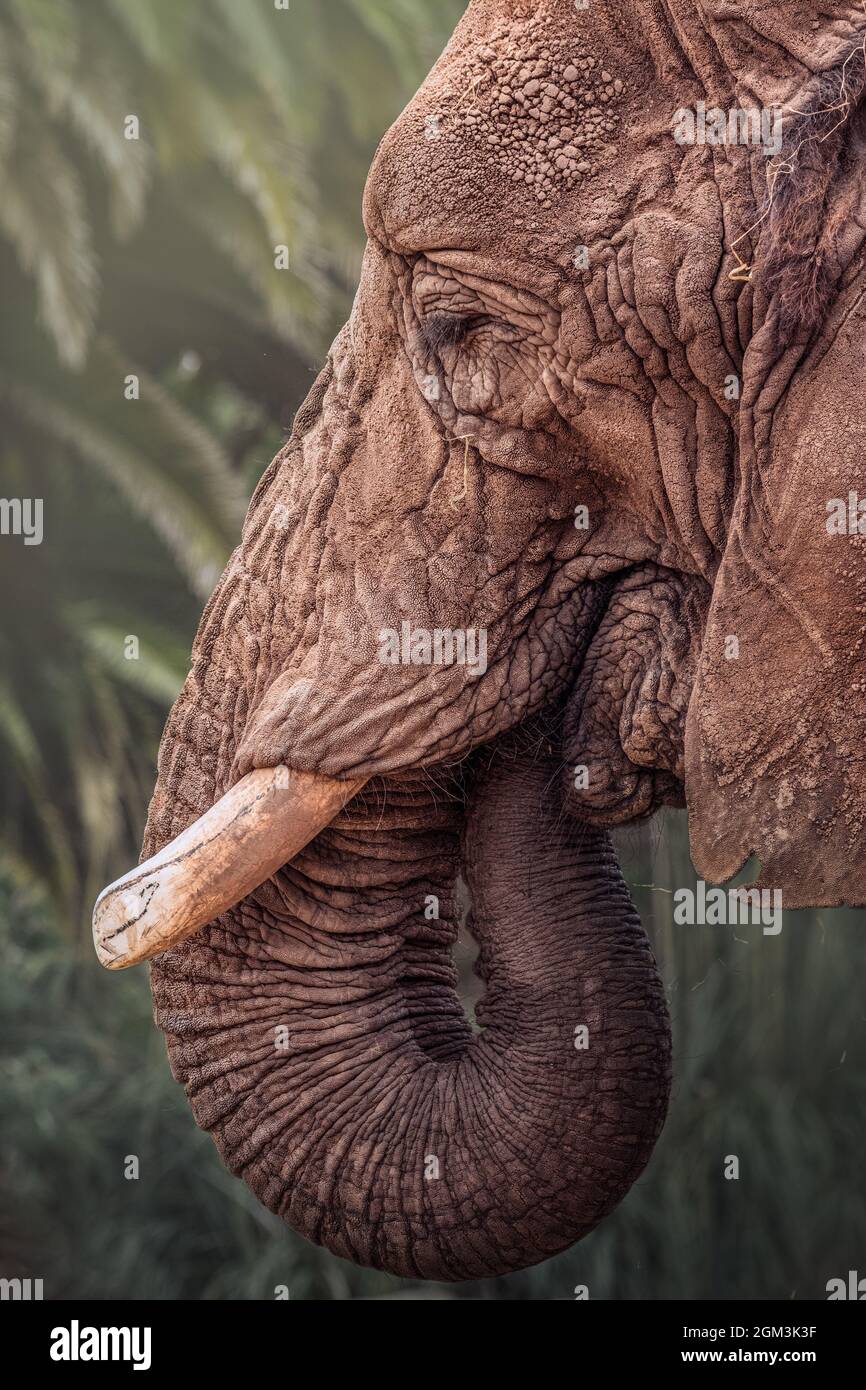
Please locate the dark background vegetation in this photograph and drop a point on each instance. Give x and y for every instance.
(155, 257)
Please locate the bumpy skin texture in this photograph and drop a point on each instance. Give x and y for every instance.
(527, 427)
(624, 730)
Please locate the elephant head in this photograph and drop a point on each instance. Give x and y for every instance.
(546, 549)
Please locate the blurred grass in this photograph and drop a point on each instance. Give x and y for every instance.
(770, 1065)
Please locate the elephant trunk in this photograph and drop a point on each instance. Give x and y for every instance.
(321, 1041)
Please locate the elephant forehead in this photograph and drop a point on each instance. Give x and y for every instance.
(514, 117)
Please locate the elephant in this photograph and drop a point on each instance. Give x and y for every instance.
(549, 547)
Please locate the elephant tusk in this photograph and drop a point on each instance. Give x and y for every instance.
(257, 826)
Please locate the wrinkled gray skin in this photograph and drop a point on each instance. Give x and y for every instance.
(486, 386)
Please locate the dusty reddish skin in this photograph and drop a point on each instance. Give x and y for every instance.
(601, 387)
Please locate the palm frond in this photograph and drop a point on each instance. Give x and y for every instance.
(44, 213)
(166, 464)
(93, 99)
(162, 31)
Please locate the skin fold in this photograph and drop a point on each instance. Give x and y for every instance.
(561, 414)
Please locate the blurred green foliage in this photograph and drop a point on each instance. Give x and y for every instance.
(156, 258)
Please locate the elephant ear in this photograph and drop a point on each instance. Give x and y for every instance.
(776, 729)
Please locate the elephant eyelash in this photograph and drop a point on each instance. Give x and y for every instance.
(446, 330)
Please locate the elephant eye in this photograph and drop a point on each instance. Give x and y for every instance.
(444, 330)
